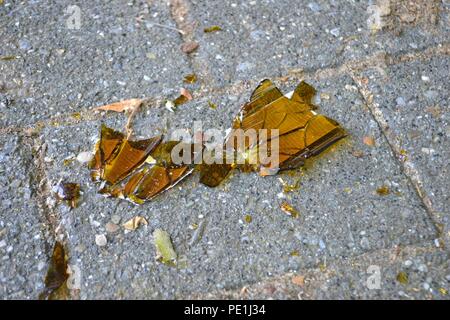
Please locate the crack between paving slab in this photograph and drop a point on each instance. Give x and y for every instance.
(42, 187)
(315, 277)
(407, 166)
(241, 86)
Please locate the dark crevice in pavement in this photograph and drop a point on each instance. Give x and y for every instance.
(41, 188)
(417, 189)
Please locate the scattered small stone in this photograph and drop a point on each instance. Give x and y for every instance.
(422, 268)
(41, 265)
(24, 44)
(400, 101)
(314, 6)
(111, 227)
(100, 240)
(407, 263)
(244, 66)
(189, 47)
(115, 219)
(425, 78)
(84, 157)
(426, 286)
(335, 32)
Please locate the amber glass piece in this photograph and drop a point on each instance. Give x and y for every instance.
(55, 280)
(157, 180)
(289, 210)
(130, 156)
(265, 93)
(303, 93)
(110, 141)
(69, 192)
(213, 174)
(301, 132)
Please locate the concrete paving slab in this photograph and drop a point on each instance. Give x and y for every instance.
(23, 234)
(116, 53)
(341, 213)
(412, 98)
(274, 38)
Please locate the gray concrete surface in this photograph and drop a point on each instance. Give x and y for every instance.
(391, 85)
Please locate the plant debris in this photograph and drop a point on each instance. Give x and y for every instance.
(69, 192)
(135, 223)
(212, 29)
(164, 248)
(121, 106)
(289, 210)
(212, 105)
(402, 277)
(57, 275)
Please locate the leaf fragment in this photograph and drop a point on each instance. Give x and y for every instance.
(212, 29)
(164, 248)
(212, 105)
(121, 106)
(402, 277)
(8, 58)
(135, 223)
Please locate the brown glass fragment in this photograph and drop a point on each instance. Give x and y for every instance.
(56, 278)
(138, 170)
(110, 141)
(69, 192)
(302, 133)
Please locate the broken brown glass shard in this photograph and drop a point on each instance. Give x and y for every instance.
(68, 191)
(294, 130)
(137, 170)
(56, 278)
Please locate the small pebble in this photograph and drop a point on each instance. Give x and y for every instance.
(84, 157)
(425, 78)
(100, 240)
(115, 219)
(335, 32)
(111, 227)
(408, 263)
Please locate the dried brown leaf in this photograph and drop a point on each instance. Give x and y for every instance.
(121, 106)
